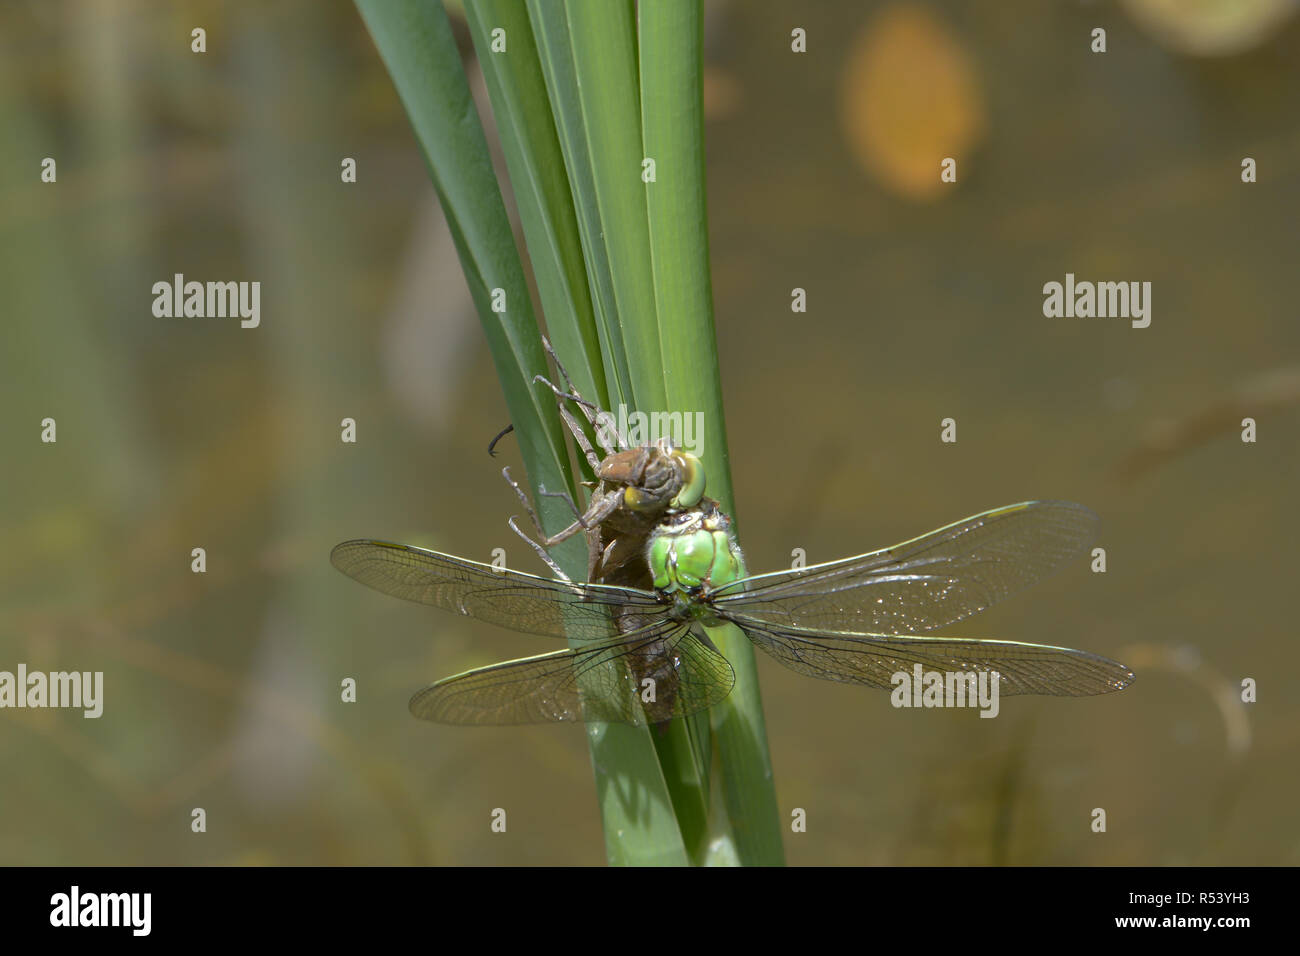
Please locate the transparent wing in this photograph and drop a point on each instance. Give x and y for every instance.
(925, 583)
(873, 659)
(521, 602)
(598, 682)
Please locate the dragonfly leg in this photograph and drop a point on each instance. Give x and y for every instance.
(598, 512)
(600, 509)
(580, 437)
(589, 409)
(591, 412)
(564, 375)
(532, 515)
(568, 499)
(492, 445)
(541, 552)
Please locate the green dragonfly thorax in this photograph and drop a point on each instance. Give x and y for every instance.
(691, 555)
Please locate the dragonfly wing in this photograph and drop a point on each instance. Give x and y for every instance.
(521, 602)
(926, 583)
(874, 659)
(604, 681)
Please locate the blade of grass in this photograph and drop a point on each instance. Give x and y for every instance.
(608, 186)
(541, 186)
(603, 45)
(671, 59)
(551, 33)
(542, 191)
(602, 37)
(414, 38)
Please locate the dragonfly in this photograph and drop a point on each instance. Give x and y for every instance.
(644, 655)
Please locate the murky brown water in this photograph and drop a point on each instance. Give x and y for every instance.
(221, 689)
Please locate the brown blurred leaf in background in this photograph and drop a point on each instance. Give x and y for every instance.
(911, 96)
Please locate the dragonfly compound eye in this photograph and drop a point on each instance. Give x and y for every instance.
(692, 472)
